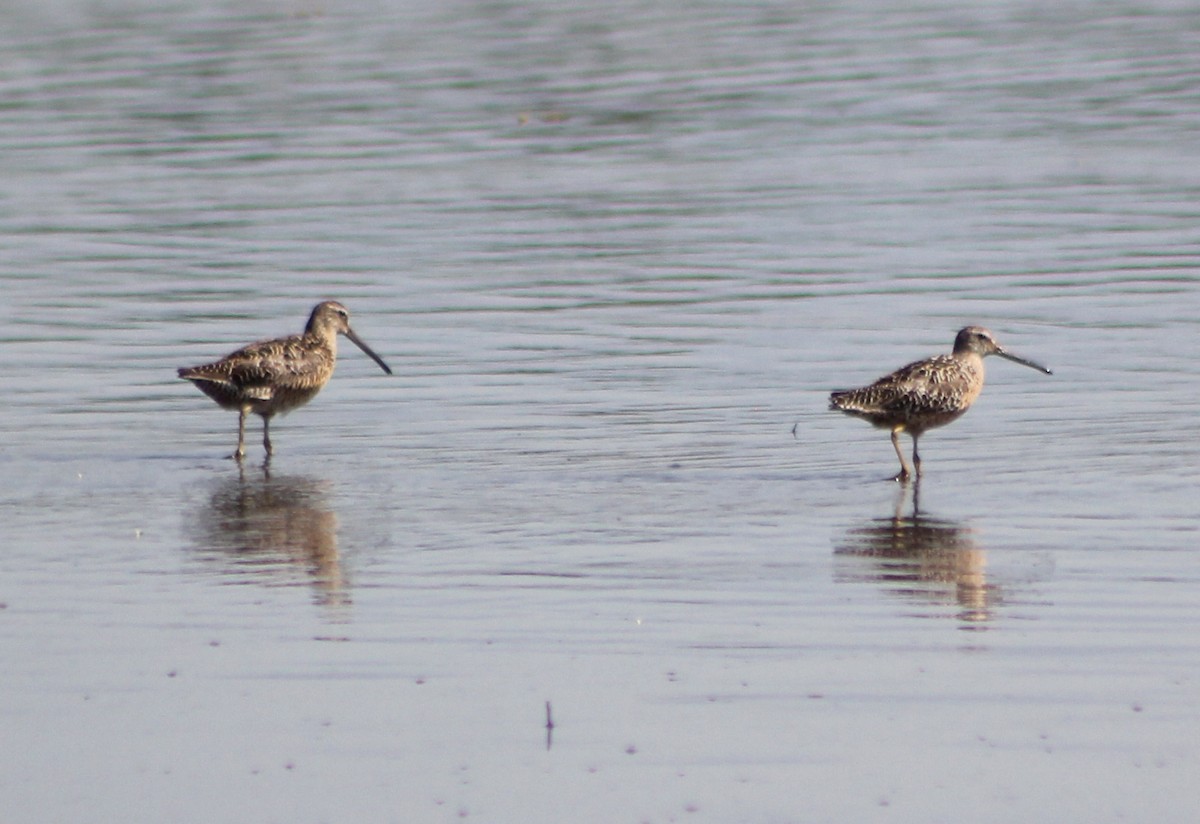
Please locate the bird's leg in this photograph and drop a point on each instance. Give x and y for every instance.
(267, 434)
(916, 457)
(904, 473)
(241, 447)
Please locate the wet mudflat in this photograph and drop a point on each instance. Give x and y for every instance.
(613, 256)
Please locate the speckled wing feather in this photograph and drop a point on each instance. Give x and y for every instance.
(927, 387)
(261, 370)
(271, 365)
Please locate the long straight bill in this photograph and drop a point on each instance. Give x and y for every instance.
(1023, 361)
(359, 343)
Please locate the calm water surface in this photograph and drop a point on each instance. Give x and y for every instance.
(613, 252)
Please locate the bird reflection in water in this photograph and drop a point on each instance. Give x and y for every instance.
(275, 530)
(928, 560)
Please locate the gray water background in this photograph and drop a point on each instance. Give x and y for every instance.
(613, 252)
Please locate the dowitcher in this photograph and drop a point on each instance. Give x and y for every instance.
(928, 393)
(273, 377)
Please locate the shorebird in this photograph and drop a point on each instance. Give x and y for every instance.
(273, 377)
(928, 393)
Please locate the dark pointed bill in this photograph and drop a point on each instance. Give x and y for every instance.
(1023, 361)
(359, 343)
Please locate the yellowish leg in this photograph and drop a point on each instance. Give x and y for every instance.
(905, 473)
(267, 434)
(241, 447)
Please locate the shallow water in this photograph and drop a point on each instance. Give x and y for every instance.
(613, 255)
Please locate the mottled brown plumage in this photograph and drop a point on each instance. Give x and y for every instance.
(273, 377)
(928, 393)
